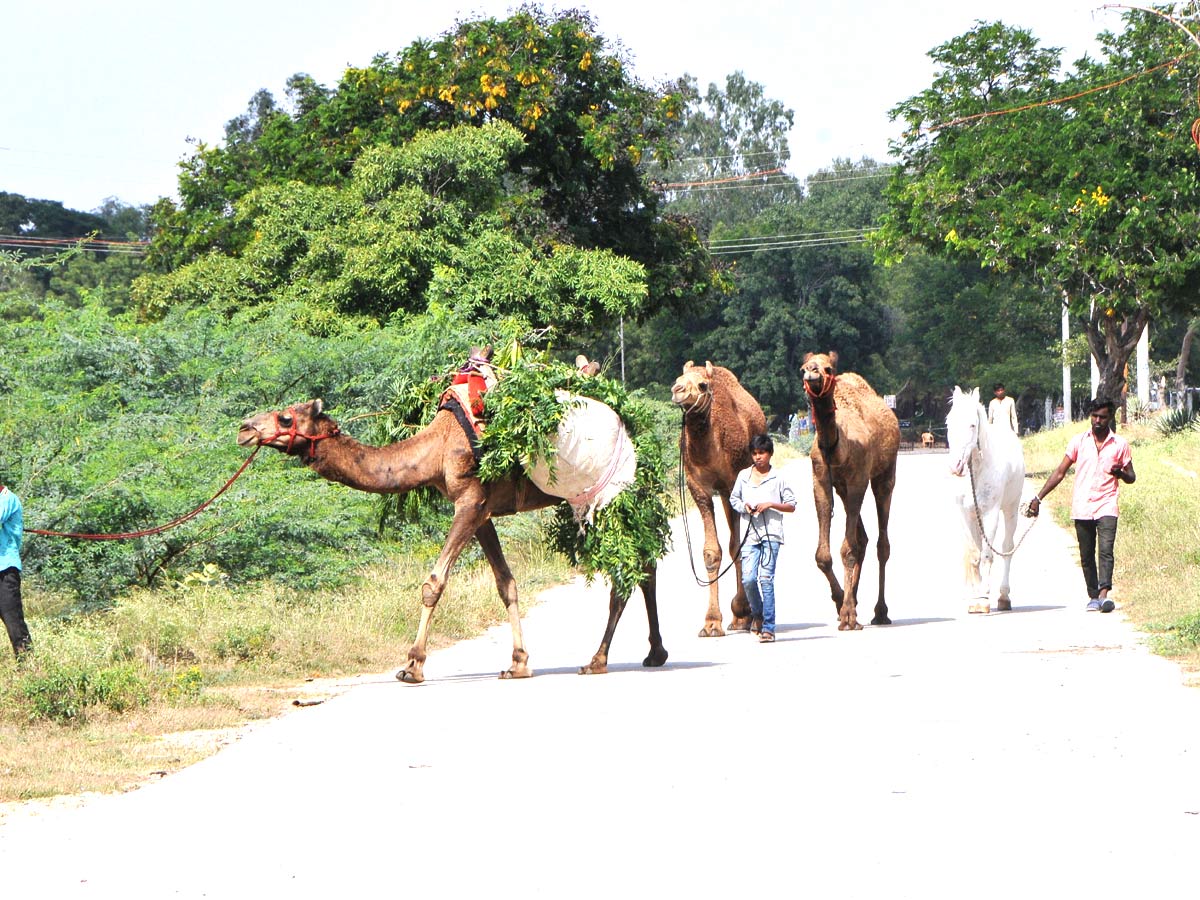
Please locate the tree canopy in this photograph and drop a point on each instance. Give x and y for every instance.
(1087, 182)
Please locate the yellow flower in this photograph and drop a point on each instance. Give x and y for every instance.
(586, 62)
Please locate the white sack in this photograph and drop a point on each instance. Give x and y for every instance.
(594, 461)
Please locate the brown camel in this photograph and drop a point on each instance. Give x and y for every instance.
(440, 456)
(719, 418)
(856, 445)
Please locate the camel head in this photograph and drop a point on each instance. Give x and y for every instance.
(693, 389)
(819, 372)
(294, 431)
(964, 424)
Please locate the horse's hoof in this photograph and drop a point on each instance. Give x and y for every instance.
(712, 630)
(657, 657)
(1004, 605)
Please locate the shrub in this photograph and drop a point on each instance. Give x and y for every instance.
(1176, 420)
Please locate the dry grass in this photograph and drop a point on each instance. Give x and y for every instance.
(196, 664)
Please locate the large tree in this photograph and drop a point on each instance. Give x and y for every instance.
(1096, 197)
(587, 127)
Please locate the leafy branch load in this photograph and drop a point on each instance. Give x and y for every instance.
(570, 432)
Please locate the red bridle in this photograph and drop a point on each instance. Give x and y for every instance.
(293, 433)
(828, 383)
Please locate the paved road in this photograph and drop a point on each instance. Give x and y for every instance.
(1036, 753)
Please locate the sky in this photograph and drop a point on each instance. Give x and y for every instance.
(104, 100)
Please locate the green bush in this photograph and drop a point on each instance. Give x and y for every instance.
(63, 694)
(245, 642)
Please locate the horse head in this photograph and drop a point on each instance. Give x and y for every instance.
(964, 428)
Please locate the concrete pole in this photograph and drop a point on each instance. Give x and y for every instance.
(1143, 368)
(1066, 375)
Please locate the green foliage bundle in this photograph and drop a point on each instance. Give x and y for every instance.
(629, 534)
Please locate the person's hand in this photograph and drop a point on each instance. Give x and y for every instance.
(1117, 471)
(1034, 507)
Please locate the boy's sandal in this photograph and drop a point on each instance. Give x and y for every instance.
(766, 638)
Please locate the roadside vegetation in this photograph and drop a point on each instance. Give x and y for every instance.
(509, 182)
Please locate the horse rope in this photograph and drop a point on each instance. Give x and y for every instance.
(979, 516)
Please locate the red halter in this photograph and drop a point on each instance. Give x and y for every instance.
(828, 383)
(293, 433)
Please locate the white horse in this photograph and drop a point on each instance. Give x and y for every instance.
(991, 464)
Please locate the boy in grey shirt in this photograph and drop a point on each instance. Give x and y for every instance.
(762, 496)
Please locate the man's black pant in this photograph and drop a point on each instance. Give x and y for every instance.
(1092, 534)
(11, 610)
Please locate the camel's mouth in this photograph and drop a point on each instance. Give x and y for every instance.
(248, 436)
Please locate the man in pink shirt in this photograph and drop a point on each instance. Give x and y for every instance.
(1102, 460)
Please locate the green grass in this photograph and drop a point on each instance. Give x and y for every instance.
(1157, 576)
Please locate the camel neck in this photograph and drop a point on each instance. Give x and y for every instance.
(393, 469)
(825, 420)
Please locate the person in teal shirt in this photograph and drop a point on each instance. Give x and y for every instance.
(12, 523)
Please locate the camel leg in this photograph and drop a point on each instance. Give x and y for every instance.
(823, 501)
(658, 653)
(882, 489)
(616, 606)
(712, 561)
(854, 546)
(506, 586)
(468, 516)
(740, 607)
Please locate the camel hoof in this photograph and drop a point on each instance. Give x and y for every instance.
(1004, 605)
(739, 625)
(847, 626)
(410, 675)
(981, 608)
(657, 657)
(594, 668)
(514, 672)
(712, 630)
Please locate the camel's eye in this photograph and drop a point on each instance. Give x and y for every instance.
(285, 420)
(829, 370)
(704, 385)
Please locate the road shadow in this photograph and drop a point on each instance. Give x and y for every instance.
(904, 623)
(613, 668)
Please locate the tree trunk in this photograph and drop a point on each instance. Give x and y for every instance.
(1112, 341)
(1185, 352)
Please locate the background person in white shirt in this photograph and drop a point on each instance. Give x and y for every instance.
(1002, 409)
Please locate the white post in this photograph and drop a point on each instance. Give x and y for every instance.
(1143, 368)
(1066, 384)
(1092, 360)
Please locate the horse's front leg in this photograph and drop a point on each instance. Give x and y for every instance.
(1006, 547)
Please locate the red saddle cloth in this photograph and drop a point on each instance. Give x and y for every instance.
(468, 389)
